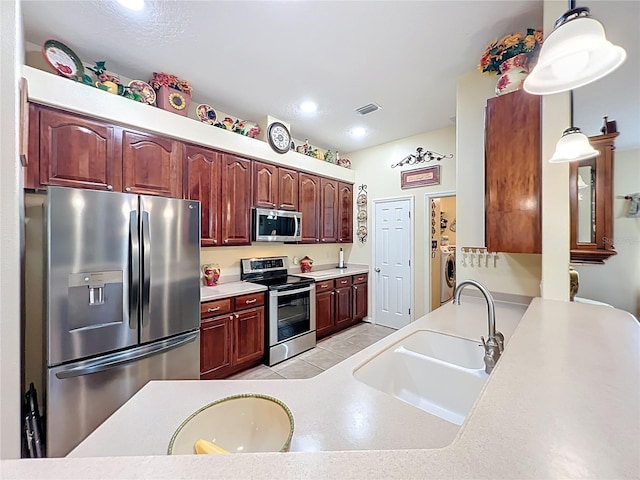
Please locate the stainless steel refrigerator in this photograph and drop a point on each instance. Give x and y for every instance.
(113, 290)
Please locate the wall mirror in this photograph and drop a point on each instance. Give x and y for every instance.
(615, 96)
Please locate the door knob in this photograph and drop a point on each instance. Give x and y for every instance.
(377, 270)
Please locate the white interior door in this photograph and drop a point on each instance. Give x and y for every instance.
(393, 234)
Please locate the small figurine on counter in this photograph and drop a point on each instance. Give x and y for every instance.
(211, 273)
(319, 154)
(293, 146)
(305, 147)
(306, 264)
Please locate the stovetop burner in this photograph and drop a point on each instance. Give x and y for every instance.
(271, 272)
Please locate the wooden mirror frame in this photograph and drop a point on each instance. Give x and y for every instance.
(603, 248)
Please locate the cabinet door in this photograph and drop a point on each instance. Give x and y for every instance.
(152, 164)
(360, 301)
(310, 207)
(513, 174)
(328, 210)
(215, 346)
(236, 200)
(78, 152)
(265, 185)
(345, 213)
(248, 335)
(287, 189)
(343, 306)
(32, 170)
(202, 182)
(325, 308)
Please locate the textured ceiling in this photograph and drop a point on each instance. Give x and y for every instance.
(257, 58)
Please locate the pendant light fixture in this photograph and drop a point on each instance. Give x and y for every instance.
(574, 54)
(574, 145)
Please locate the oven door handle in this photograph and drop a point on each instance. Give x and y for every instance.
(281, 293)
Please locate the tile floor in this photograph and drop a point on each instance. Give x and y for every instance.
(328, 352)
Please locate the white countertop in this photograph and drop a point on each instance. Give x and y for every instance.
(326, 274)
(232, 289)
(561, 402)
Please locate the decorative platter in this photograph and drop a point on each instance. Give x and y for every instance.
(62, 59)
(361, 232)
(146, 92)
(362, 215)
(206, 113)
(362, 199)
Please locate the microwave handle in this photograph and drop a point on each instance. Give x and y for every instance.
(298, 226)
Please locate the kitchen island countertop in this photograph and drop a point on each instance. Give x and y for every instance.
(561, 402)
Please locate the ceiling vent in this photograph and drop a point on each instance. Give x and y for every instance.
(369, 108)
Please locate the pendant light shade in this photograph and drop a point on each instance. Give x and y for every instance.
(573, 146)
(574, 54)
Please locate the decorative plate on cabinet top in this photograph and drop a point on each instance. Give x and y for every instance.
(362, 199)
(146, 92)
(206, 113)
(62, 59)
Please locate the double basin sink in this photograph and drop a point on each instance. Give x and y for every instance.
(435, 372)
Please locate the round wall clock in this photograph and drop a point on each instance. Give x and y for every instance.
(279, 137)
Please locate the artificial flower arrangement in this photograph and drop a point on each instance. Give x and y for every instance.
(167, 80)
(508, 47)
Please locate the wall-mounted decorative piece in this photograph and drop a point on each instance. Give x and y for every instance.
(510, 59)
(420, 177)
(361, 203)
(172, 93)
(421, 156)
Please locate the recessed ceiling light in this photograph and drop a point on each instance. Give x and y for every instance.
(358, 132)
(308, 106)
(132, 4)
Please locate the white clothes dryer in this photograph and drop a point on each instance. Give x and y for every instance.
(447, 273)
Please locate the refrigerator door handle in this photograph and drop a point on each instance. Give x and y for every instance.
(121, 358)
(134, 269)
(146, 268)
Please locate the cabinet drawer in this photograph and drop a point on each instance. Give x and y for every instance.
(215, 308)
(343, 281)
(249, 301)
(362, 278)
(324, 286)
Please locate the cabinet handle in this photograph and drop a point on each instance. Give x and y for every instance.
(251, 301)
(231, 317)
(355, 287)
(211, 310)
(343, 282)
(237, 316)
(128, 189)
(109, 187)
(333, 293)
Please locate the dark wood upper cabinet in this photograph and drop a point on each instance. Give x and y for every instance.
(591, 203)
(345, 213)
(202, 182)
(235, 200)
(513, 174)
(78, 152)
(328, 210)
(265, 185)
(310, 207)
(287, 189)
(152, 164)
(32, 170)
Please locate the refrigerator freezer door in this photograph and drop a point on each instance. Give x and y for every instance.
(89, 272)
(82, 395)
(170, 267)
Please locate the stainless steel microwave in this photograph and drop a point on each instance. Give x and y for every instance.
(276, 225)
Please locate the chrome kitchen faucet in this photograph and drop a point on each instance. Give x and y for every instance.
(494, 345)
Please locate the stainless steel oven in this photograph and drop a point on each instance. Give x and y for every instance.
(291, 307)
(292, 322)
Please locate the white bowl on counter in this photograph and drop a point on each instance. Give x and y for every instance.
(244, 423)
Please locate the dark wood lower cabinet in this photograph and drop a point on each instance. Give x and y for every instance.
(340, 303)
(215, 343)
(233, 341)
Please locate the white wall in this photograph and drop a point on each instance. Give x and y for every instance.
(11, 59)
(617, 282)
(373, 168)
(518, 274)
